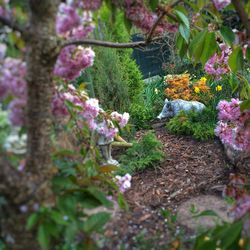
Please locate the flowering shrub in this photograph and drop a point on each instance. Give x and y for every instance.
(233, 125)
(181, 87)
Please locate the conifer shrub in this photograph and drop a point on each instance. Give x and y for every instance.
(144, 154)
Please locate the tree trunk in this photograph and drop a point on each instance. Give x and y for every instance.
(33, 186)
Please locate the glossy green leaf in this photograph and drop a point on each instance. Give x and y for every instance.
(96, 222)
(227, 34)
(182, 18)
(235, 60)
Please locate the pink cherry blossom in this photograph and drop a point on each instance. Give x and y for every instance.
(221, 4)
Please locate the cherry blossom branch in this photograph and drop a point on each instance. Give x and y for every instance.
(243, 15)
(11, 24)
(109, 44)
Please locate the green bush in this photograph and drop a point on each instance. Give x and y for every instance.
(143, 154)
(199, 125)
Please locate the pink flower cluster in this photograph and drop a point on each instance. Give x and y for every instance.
(122, 119)
(124, 182)
(143, 18)
(71, 24)
(221, 4)
(13, 83)
(72, 60)
(217, 65)
(233, 126)
(89, 112)
(4, 8)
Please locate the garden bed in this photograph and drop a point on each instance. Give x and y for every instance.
(191, 168)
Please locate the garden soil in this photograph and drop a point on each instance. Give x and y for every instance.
(190, 169)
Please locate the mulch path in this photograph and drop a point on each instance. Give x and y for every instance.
(191, 168)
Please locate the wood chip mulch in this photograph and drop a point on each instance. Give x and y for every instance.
(190, 168)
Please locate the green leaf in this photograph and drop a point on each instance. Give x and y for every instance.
(58, 218)
(197, 44)
(43, 237)
(184, 27)
(153, 4)
(100, 196)
(227, 34)
(96, 222)
(248, 54)
(245, 105)
(231, 234)
(209, 47)
(122, 202)
(184, 31)
(206, 213)
(235, 60)
(182, 18)
(32, 220)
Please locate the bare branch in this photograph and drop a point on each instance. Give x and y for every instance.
(11, 24)
(109, 44)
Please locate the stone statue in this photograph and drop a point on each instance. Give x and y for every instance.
(172, 108)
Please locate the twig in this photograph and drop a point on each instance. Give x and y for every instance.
(165, 11)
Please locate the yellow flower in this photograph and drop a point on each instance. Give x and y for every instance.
(156, 91)
(206, 238)
(196, 90)
(241, 243)
(218, 88)
(203, 79)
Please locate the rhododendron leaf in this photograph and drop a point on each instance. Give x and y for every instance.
(153, 4)
(227, 34)
(95, 222)
(209, 47)
(235, 60)
(181, 45)
(245, 105)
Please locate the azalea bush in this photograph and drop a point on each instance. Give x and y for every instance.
(181, 87)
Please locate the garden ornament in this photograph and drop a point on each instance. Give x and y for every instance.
(172, 108)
